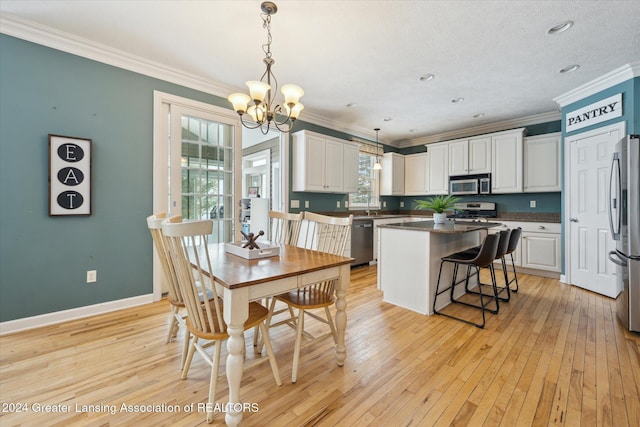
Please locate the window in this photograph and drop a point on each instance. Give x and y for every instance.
(368, 189)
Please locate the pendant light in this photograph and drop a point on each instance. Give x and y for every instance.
(377, 166)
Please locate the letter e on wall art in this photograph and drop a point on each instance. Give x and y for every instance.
(69, 175)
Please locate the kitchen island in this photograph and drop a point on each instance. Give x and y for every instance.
(409, 259)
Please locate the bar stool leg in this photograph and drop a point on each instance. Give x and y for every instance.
(515, 275)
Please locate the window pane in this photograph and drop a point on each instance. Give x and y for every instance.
(367, 195)
(207, 174)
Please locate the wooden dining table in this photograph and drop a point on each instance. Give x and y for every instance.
(243, 280)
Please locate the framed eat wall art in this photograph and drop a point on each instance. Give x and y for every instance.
(69, 175)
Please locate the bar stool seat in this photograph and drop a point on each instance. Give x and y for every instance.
(484, 258)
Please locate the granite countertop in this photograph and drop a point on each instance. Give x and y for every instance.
(449, 227)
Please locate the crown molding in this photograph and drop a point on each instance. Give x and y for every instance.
(46, 36)
(619, 75)
(65, 42)
(482, 129)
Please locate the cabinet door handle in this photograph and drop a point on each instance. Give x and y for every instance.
(573, 219)
(542, 227)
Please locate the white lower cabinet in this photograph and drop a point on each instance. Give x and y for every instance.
(541, 251)
(539, 247)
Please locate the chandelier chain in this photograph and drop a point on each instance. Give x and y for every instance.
(266, 18)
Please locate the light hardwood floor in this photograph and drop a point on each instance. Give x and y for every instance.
(555, 355)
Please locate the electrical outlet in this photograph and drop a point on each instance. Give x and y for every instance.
(384, 204)
(306, 204)
(338, 204)
(402, 204)
(92, 276)
(346, 203)
(532, 204)
(295, 204)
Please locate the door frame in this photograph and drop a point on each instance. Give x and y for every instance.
(161, 101)
(619, 127)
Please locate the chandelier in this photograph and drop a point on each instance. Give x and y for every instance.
(262, 110)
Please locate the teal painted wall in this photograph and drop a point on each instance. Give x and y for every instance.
(44, 260)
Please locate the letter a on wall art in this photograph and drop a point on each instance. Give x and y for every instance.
(69, 175)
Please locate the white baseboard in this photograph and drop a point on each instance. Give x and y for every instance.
(563, 278)
(17, 325)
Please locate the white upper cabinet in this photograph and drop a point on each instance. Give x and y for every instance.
(323, 164)
(542, 163)
(416, 177)
(470, 156)
(392, 175)
(459, 157)
(506, 161)
(351, 162)
(480, 155)
(438, 170)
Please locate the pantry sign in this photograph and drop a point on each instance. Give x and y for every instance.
(597, 112)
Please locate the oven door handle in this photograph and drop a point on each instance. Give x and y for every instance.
(615, 258)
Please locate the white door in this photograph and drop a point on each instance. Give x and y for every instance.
(586, 196)
(197, 158)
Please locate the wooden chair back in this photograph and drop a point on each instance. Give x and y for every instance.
(285, 227)
(187, 243)
(154, 222)
(326, 233)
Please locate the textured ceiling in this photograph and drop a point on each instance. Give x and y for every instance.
(494, 54)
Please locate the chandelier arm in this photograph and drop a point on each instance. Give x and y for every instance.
(247, 124)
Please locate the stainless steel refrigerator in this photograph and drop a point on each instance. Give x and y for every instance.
(624, 221)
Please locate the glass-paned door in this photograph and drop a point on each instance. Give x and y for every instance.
(206, 171)
(197, 163)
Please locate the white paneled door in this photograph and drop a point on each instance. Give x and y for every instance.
(589, 240)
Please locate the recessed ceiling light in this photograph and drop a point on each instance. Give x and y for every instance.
(562, 27)
(427, 77)
(456, 100)
(570, 68)
(352, 105)
(477, 116)
(387, 119)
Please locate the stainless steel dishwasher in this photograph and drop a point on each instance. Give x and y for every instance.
(362, 241)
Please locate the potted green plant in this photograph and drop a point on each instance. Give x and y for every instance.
(438, 204)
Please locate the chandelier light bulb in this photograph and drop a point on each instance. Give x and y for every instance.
(240, 102)
(258, 90)
(295, 111)
(292, 94)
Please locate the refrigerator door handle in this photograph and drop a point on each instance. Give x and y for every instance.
(615, 258)
(614, 198)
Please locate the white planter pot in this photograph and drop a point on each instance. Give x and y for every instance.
(439, 218)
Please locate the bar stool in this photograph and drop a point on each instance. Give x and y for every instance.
(503, 246)
(483, 258)
(514, 239)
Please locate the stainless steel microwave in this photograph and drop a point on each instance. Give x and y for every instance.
(470, 184)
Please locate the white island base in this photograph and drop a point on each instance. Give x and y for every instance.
(409, 260)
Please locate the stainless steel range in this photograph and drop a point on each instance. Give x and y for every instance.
(474, 210)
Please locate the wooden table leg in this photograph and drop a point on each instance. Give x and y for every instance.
(341, 313)
(236, 312)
